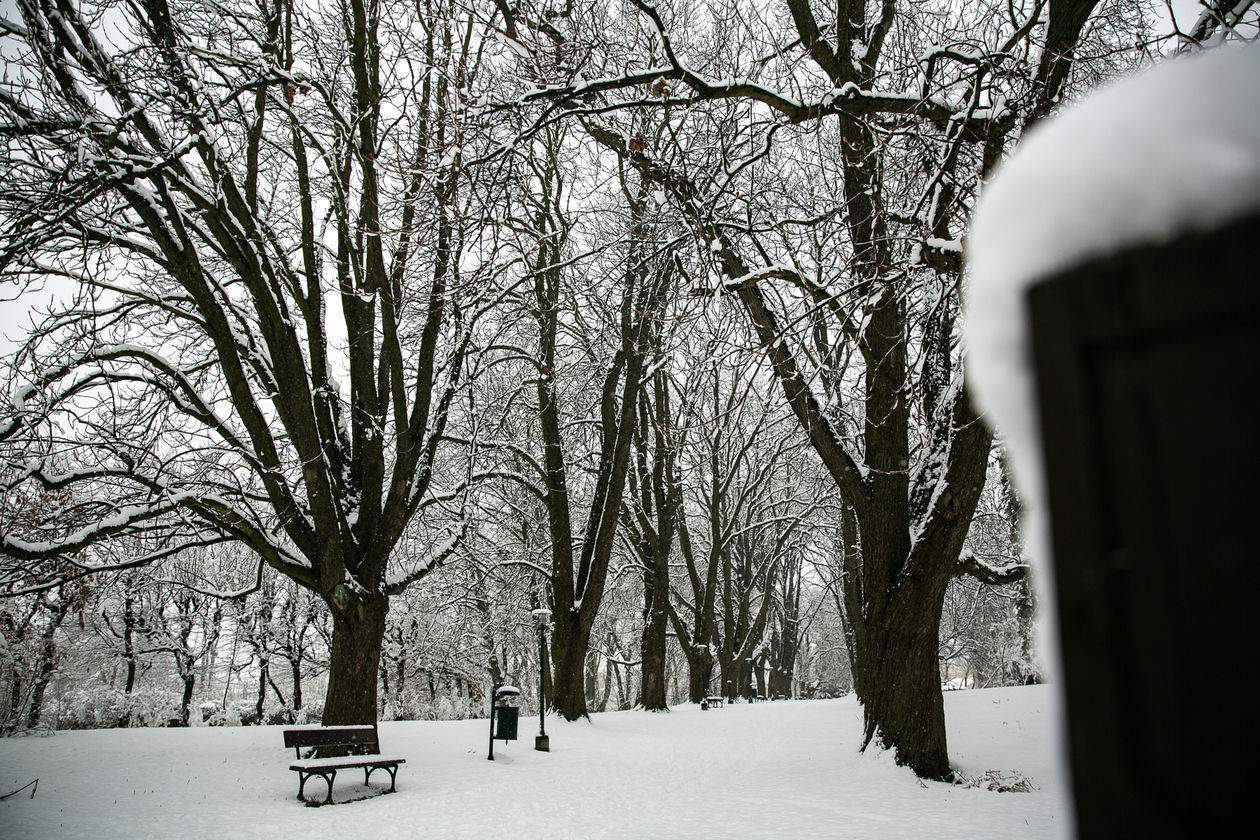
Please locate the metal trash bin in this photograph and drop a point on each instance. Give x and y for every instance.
(504, 717)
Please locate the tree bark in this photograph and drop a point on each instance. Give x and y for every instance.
(47, 666)
(263, 667)
(185, 702)
(654, 522)
(699, 674)
(902, 703)
(295, 668)
(358, 631)
(653, 646)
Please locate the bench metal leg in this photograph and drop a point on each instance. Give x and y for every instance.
(393, 774)
(327, 775)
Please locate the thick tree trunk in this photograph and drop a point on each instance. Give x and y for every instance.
(699, 674)
(782, 662)
(569, 658)
(903, 704)
(734, 677)
(358, 631)
(654, 646)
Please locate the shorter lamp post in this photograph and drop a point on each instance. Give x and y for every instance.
(542, 616)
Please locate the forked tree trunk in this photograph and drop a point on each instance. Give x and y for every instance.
(358, 631)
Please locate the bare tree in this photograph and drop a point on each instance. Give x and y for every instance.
(579, 566)
(266, 212)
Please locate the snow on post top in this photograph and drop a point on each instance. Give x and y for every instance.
(1171, 150)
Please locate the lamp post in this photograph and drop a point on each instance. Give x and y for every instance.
(495, 682)
(542, 616)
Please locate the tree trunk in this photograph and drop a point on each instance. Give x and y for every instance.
(15, 701)
(47, 665)
(654, 645)
(129, 650)
(610, 672)
(903, 704)
(358, 631)
(185, 703)
(592, 681)
(295, 667)
(699, 674)
(568, 654)
(263, 666)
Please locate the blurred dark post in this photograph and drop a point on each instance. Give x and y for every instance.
(1148, 367)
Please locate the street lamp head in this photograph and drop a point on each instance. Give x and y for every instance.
(542, 615)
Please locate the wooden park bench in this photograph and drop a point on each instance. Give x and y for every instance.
(322, 751)
(715, 701)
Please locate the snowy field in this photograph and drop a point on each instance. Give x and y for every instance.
(769, 770)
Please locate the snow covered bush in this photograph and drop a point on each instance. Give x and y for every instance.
(104, 707)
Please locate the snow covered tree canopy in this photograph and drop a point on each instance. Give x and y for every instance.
(262, 348)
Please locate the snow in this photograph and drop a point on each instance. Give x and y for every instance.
(21, 395)
(781, 769)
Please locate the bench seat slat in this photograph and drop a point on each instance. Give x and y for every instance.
(343, 761)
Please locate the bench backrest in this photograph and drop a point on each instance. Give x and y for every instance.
(328, 741)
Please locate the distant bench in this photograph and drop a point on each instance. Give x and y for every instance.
(718, 701)
(332, 748)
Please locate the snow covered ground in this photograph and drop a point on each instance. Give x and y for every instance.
(769, 770)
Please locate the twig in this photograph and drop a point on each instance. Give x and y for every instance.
(33, 785)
